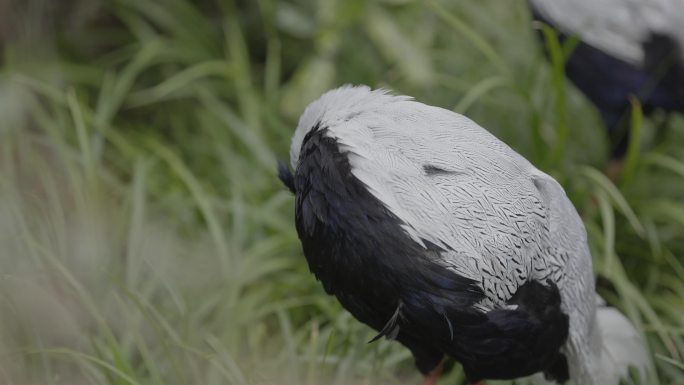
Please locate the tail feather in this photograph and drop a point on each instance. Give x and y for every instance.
(623, 347)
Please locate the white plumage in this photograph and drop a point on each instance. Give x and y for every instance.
(618, 27)
(453, 184)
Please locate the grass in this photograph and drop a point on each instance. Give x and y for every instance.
(145, 238)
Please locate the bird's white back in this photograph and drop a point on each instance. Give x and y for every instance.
(453, 184)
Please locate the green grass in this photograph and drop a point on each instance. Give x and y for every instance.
(144, 237)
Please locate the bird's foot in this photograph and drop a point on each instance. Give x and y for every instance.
(434, 375)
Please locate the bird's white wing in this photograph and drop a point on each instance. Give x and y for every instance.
(456, 186)
(618, 27)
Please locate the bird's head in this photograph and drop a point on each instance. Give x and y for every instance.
(332, 109)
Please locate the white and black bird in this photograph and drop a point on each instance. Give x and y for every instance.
(433, 232)
(626, 47)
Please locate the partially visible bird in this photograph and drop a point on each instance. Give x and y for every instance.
(626, 47)
(436, 234)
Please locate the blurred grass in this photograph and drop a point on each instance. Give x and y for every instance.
(145, 239)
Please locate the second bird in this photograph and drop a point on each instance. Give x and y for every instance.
(626, 48)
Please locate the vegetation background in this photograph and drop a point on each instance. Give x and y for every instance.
(144, 236)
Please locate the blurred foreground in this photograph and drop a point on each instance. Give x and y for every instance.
(144, 237)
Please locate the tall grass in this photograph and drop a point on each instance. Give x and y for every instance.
(144, 237)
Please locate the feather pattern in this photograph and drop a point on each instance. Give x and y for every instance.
(492, 209)
(492, 216)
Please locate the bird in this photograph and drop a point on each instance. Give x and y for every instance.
(625, 49)
(436, 234)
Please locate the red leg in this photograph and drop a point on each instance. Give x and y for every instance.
(434, 375)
